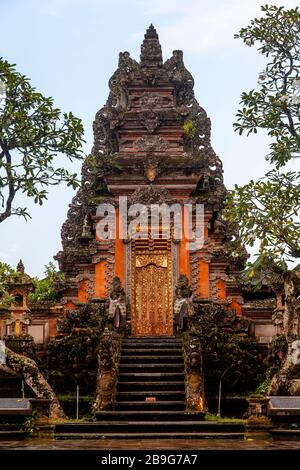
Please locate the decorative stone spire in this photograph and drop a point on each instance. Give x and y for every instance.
(20, 267)
(151, 55)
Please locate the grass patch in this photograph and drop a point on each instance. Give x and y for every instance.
(223, 419)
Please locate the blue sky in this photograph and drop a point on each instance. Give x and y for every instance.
(69, 49)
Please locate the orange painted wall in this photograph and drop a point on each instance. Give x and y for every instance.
(184, 254)
(236, 306)
(222, 289)
(52, 327)
(69, 305)
(203, 289)
(82, 292)
(100, 290)
(119, 250)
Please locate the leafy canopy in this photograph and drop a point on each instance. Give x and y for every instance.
(34, 135)
(45, 288)
(275, 105)
(267, 211)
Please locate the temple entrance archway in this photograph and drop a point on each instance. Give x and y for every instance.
(152, 288)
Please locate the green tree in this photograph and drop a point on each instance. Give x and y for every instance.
(5, 299)
(226, 346)
(275, 105)
(45, 288)
(34, 135)
(266, 212)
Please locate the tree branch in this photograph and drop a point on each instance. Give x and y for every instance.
(11, 187)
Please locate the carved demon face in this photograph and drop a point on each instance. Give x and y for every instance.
(296, 352)
(151, 172)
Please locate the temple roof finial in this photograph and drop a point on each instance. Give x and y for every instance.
(151, 55)
(20, 267)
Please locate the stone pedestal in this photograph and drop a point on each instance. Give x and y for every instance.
(43, 427)
(258, 424)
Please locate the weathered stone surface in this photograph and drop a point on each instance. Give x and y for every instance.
(287, 404)
(14, 404)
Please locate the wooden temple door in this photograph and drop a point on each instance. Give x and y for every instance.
(152, 299)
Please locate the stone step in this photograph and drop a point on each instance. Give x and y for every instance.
(168, 395)
(151, 359)
(145, 386)
(149, 415)
(152, 344)
(12, 435)
(11, 423)
(152, 338)
(285, 434)
(128, 427)
(148, 435)
(165, 405)
(151, 376)
(151, 367)
(134, 368)
(11, 387)
(148, 351)
(6, 379)
(10, 392)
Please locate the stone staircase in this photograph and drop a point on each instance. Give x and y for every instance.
(151, 368)
(150, 399)
(11, 426)
(11, 387)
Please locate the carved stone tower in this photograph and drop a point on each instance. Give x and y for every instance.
(151, 144)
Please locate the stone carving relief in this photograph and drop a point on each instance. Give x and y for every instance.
(151, 143)
(152, 101)
(150, 120)
(183, 305)
(117, 305)
(150, 195)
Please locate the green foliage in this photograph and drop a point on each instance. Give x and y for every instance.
(33, 135)
(266, 212)
(263, 387)
(213, 417)
(275, 105)
(68, 403)
(239, 354)
(5, 270)
(72, 360)
(189, 128)
(5, 299)
(89, 317)
(277, 350)
(226, 348)
(29, 425)
(45, 288)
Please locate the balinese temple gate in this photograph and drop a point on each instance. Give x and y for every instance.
(152, 145)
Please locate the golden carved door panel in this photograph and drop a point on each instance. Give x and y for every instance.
(152, 293)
